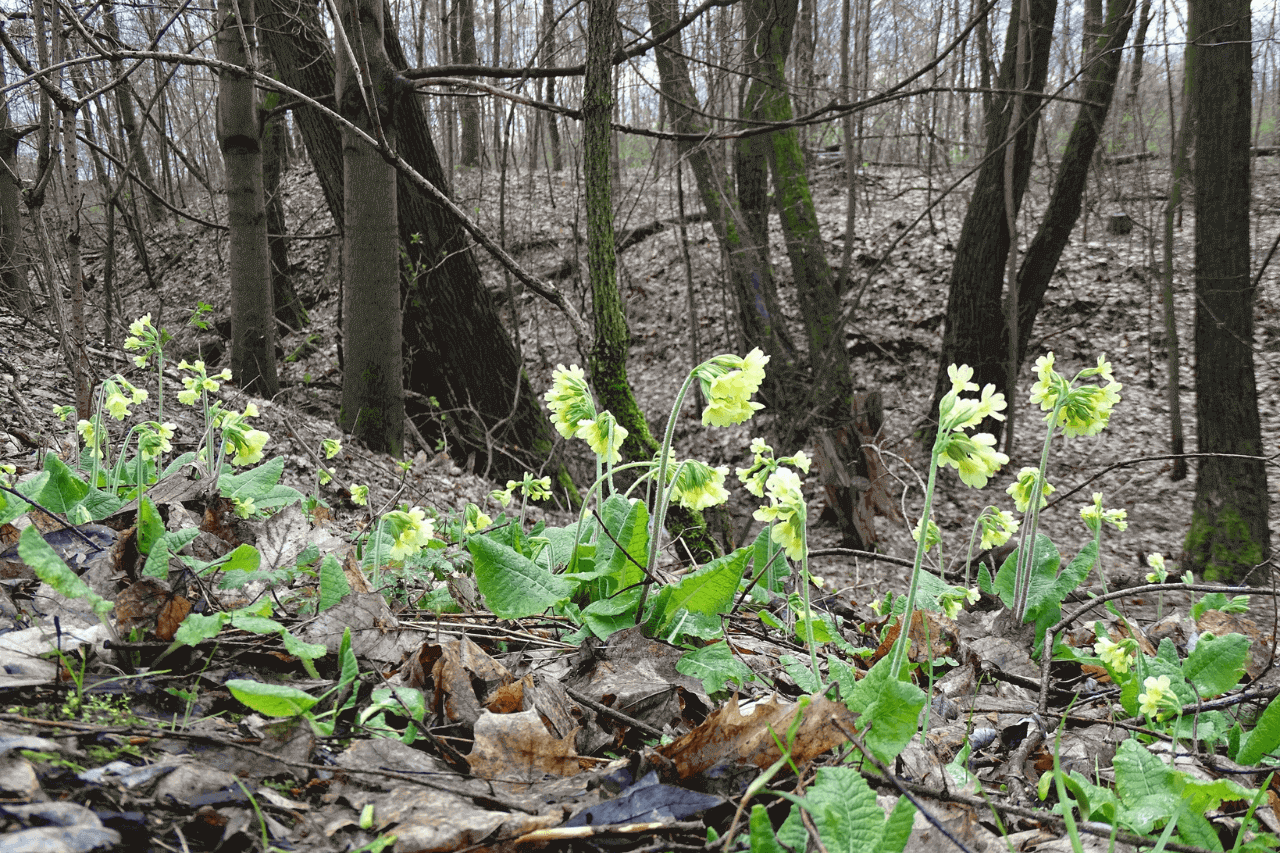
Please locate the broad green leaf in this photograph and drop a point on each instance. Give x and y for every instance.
(303, 651)
(895, 707)
(245, 558)
(1144, 784)
(256, 483)
(150, 525)
(627, 522)
(157, 564)
(63, 489)
(1264, 738)
(178, 463)
(256, 624)
(800, 673)
(1216, 664)
(11, 507)
(198, 627)
(709, 591)
(1044, 574)
(715, 665)
(846, 814)
(277, 497)
(514, 586)
(607, 616)
(767, 554)
(272, 700)
(761, 832)
(333, 582)
(51, 569)
(897, 829)
(564, 541)
(100, 504)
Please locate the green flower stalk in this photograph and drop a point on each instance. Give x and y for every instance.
(149, 341)
(973, 456)
(1077, 410)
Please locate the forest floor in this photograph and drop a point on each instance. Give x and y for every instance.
(1105, 300)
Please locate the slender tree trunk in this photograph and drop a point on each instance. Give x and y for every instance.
(138, 160)
(1139, 50)
(372, 387)
(974, 311)
(288, 306)
(1064, 207)
(253, 342)
(1229, 534)
(13, 268)
(75, 261)
(472, 141)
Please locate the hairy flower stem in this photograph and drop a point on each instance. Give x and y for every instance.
(1026, 555)
(900, 645)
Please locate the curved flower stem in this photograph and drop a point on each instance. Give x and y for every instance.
(1026, 553)
(808, 613)
(900, 645)
(660, 510)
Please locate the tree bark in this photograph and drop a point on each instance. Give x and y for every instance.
(138, 160)
(974, 312)
(288, 306)
(13, 275)
(253, 343)
(472, 141)
(1059, 218)
(455, 347)
(1229, 533)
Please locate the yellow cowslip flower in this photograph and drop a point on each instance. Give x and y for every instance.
(569, 399)
(604, 435)
(1157, 693)
(698, 485)
(1022, 488)
(786, 510)
(1094, 515)
(997, 525)
(1114, 655)
(412, 530)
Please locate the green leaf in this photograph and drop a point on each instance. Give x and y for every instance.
(303, 651)
(565, 543)
(848, 817)
(333, 582)
(1216, 664)
(150, 525)
(775, 576)
(11, 507)
(256, 483)
(1264, 738)
(514, 586)
(1143, 781)
(627, 522)
(761, 832)
(800, 673)
(102, 504)
(157, 564)
(895, 707)
(62, 489)
(272, 700)
(198, 627)
(715, 665)
(51, 569)
(607, 616)
(708, 592)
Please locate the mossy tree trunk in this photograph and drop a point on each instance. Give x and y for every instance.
(1229, 533)
(253, 340)
(372, 387)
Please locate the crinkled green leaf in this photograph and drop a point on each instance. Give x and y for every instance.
(157, 564)
(514, 586)
(333, 582)
(709, 591)
(1216, 664)
(255, 483)
(1264, 738)
(198, 627)
(893, 705)
(150, 525)
(62, 489)
(51, 569)
(715, 665)
(272, 700)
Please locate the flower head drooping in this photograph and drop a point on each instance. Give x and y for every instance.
(144, 337)
(411, 530)
(153, 439)
(973, 456)
(331, 447)
(1159, 571)
(92, 435)
(997, 525)
(1022, 488)
(569, 399)
(932, 537)
(245, 443)
(786, 510)
(474, 519)
(118, 395)
(533, 488)
(605, 436)
(1085, 409)
(1115, 655)
(199, 382)
(728, 383)
(698, 485)
(757, 473)
(1157, 693)
(1094, 515)
(359, 495)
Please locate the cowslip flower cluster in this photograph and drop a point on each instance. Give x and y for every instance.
(696, 485)
(411, 531)
(786, 510)
(144, 337)
(118, 395)
(573, 412)
(533, 488)
(153, 439)
(474, 519)
(1094, 515)
(1083, 410)
(1157, 693)
(756, 475)
(245, 443)
(1022, 489)
(1159, 571)
(953, 599)
(998, 526)
(1117, 656)
(972, 455)
(932, 536)
(199, 382)
(728, 382)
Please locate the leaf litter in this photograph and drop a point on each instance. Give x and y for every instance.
(430, 730)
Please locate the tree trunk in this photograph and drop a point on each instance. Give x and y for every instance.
(1229, 533)
(288, 306)
(750, 278)
(975, 290)
(253, 342)
(372, 387)
(13, 269)
(138, 160)
(1059, 218)
(455, 347)
(472, 141)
